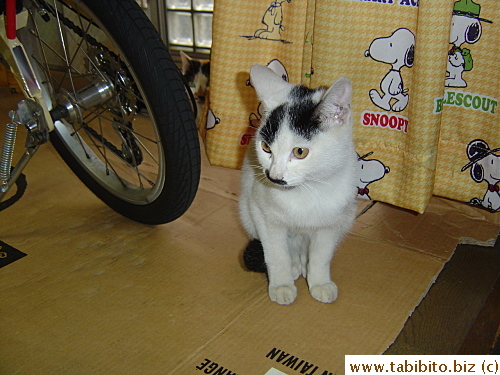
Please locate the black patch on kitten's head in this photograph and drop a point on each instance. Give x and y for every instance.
(273, 124)
(300, 112)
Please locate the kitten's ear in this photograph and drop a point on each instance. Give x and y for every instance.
(186, 62)
(335, 105)
(271, 88)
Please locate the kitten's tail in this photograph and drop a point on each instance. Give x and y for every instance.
(253, 257)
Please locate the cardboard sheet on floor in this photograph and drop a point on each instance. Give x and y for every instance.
(100, 294)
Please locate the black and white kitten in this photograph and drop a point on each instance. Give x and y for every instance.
(299, 182)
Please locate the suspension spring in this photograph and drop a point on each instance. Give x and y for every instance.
(7, 153)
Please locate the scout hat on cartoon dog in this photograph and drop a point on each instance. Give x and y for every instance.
(477, 150)
(468, 8)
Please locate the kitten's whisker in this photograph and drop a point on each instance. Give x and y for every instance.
(314, 193)
(311, 192)
(315, 179)
(260, 176)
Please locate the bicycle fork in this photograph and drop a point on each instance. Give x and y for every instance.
(30, 112)
(33, 112)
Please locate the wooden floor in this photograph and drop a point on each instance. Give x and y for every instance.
(461, 312)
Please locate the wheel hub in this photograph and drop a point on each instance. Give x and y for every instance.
(98, 92)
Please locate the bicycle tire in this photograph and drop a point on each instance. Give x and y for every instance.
(166, 101)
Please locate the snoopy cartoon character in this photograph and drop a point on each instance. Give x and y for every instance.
(485, 166)
(397, 50)
(272, 19)
(369, 171)
(465, 28)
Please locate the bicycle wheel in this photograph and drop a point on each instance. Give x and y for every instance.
(123, 120)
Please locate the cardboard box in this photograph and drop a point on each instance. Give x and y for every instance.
(100, 294)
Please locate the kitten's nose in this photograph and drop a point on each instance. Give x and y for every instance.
(274, 180)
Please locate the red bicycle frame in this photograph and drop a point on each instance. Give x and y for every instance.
(10, 19)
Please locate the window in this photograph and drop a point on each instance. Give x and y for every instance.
(189, 25)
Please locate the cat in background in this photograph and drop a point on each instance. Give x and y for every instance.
(197, 74)
(298, 184)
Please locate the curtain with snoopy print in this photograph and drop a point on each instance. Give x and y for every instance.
(425, 77)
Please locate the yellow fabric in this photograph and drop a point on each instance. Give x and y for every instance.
(416, 143)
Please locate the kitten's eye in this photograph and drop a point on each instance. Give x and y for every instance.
(266, 147)
(300, 152)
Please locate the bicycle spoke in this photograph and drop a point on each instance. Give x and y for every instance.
(146, 149)
(64, 48)
(99, 149)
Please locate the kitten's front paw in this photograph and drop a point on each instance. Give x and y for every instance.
(325, 293)
(284, 295)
